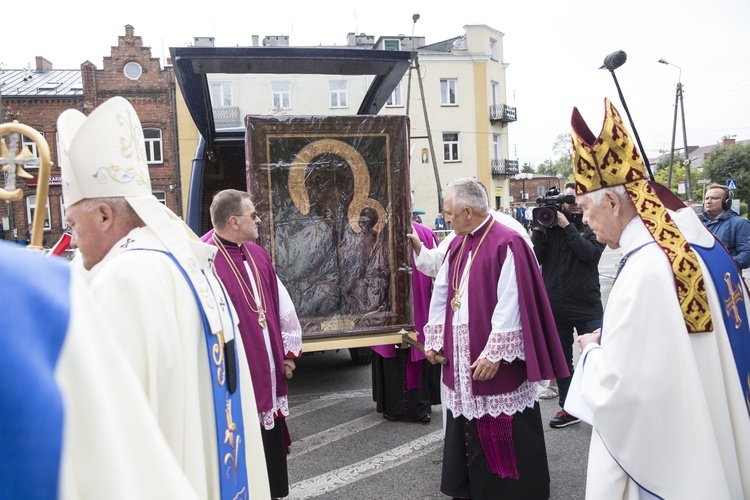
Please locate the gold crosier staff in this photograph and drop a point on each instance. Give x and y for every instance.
(13, 157)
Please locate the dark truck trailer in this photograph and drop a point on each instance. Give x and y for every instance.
(333, 190)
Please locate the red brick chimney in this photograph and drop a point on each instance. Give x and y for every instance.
(42, 64)
(727, 141)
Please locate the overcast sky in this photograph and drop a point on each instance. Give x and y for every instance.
(553, 47)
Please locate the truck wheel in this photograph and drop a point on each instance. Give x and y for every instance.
(360, 355)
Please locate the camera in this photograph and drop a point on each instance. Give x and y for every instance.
(545, 215)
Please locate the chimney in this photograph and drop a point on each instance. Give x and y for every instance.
(203, 41)
(276, 41)
(255, 40)
(727, 141)
(42, 64)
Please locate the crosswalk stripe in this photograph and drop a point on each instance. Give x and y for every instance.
(324, 402)
(315, 441)
(326, 483)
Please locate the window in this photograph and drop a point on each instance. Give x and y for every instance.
(152, 136)
(495, 146)
(338, 91)
(391, 45)
(448, 96)
(395, 98)
(221, 94)
(63, 215)
(26, 142)
(450, 147)
(494, 49)
(495, 93)
(161, 196)
(132, 70)
(281, 95)
(31, 208)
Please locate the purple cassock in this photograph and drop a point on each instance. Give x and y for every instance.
(250, 330)
(544, 355)
(421, 293)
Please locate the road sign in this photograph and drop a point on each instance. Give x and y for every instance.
(704, 181)
(732, 184)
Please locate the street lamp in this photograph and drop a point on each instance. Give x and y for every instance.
(678, 99)
(522, 177)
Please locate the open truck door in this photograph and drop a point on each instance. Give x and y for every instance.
(333, 189)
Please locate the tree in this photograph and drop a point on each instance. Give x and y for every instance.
(527, 168)
(678, 174)
(562, 166)
(730, 162)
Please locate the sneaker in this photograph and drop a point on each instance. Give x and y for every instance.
(563, 419)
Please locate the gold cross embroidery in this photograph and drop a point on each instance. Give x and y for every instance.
(735, 297)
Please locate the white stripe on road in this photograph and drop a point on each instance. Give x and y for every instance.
(326, 483)
(324, 402)
(328, 436)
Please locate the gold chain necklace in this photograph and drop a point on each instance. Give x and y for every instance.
(456, 285)
(244, 287)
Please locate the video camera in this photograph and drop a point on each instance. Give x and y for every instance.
(545, 215)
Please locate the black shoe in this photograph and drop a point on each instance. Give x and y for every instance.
(563, 419)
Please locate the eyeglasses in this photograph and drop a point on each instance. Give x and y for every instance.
(253, 215)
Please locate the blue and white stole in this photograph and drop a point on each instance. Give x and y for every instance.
(728, 284)
(31, 405)
(230, 429)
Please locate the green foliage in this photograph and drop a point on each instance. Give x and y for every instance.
(562, 166)
(730, 162)
(678, 174)
(527, 168)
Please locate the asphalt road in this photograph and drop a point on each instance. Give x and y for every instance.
(343, 449)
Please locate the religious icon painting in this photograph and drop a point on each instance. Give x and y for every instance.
(335, 193)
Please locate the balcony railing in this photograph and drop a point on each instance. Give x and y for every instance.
(502, 113)
(504, 167)
(227, 117)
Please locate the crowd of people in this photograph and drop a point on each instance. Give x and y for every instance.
(162, 370)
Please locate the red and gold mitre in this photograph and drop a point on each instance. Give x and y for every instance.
(612, 159)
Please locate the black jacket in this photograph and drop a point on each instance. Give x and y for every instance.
(570, 267)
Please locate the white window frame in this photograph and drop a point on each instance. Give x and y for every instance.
(339, 94)
(496, 146)
(63, 213)
(386, 42)
(28, 142)
(281, 95)
(221, 94)
(451, 147)
(494, 52)
(132, 70)
(31, 207)
(395, 100)
(449, 92)
(161, 196)
(154, 145)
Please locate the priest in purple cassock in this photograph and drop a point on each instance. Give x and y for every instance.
(404, 387)
(268, 321)
(490, 317)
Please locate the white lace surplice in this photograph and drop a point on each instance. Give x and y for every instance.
(505, 343)
(291, 336)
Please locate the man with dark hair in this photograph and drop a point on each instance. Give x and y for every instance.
(490, 318)
(569, 255)
(268, 322)
(730, 228)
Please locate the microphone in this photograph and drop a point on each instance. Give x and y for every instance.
(614, 60)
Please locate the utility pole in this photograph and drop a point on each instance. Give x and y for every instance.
(415, 65)
(679, 100)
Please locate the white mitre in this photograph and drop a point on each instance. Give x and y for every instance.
(104, 156)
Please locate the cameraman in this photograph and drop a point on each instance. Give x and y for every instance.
(569, 255)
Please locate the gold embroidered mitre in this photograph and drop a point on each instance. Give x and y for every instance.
(612, 159)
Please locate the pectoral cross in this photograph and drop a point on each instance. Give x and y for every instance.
(735, 297)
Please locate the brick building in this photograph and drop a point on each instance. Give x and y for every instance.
(37, 97)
